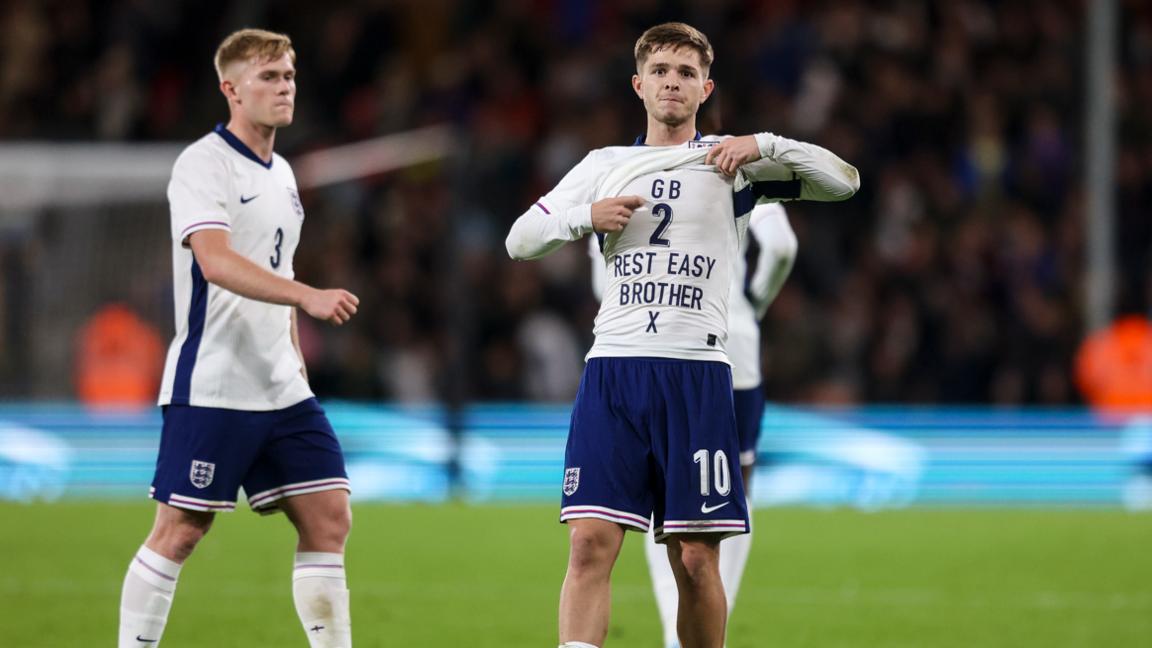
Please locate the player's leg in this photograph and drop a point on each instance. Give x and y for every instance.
(606, 491)
(586, 597)
(703, 612)
(319, 583)
(663, 586)
(749, 408)
(204, 452)
(301, 472)
(150, 584)
(703, 500)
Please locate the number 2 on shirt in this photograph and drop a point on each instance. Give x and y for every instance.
(663, 211)
(279, 240)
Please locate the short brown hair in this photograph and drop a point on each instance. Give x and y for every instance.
(673, 35)
(247, 43)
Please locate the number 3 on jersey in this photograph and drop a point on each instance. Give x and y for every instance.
(279, 241)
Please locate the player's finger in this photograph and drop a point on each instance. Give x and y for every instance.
(720, 161)
(713, 153)
(632, 202)
(352, 298)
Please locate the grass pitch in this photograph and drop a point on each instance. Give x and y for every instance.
(490, 577)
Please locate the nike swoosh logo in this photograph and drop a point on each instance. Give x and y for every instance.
(146, 640)
(245, 201)
(704, 508)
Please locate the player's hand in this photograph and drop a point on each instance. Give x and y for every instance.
(612, 214)
(336, 306)
(732, 153)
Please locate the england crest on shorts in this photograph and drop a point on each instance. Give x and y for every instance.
(295, 196)
(202, 472)
(571, 480)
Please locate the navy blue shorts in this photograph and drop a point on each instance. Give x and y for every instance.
(654, 438)
(208, 453)
(749, 412)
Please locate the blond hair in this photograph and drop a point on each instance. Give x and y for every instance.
(245, 44)
(673, 35)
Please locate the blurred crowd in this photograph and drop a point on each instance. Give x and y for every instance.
(954, 275)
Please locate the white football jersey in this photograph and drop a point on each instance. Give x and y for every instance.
(769, 226)
(229, 351)
(669, 272)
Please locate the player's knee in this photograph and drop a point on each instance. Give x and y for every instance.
(328, 531)
(697, 560)
(592, 550)
(177, 538)
(340, 524)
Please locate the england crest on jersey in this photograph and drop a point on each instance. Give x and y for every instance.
(299, 208)
(202, 472)
(571, 480)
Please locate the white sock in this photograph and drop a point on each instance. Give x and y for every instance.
(576, 644)
(733, 558)
(321, 594)
(146, 599)
(664, 585)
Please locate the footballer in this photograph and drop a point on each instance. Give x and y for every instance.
(653, 439)
(238, 411)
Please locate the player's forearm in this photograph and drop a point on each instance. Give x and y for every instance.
(764, 291)
(824, 176)
(778, 248)
(235, 273)
(599, 277)
(536, 234)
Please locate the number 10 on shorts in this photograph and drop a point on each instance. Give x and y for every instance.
(720, 466)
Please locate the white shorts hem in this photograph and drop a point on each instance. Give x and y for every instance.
(265, 502)
(194, 504)
(603, 513)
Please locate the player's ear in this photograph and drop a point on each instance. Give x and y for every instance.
(228, 87)
(638, 85)
(709, 86)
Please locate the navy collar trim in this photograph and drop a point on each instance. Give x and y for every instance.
(640, 140)
(241, 147)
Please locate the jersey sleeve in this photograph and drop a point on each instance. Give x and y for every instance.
(769, 226)
(599, 270)
(793, 170)
(198, 194)
(562, 215)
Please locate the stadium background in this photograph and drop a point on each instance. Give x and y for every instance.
(922, 353)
